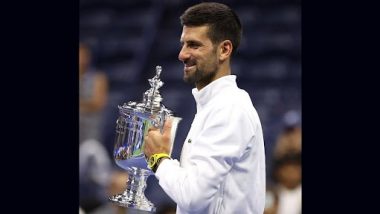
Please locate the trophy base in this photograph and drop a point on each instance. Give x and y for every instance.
(122, 200)
(134, 197)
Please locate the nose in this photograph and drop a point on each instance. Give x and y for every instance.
(183, 54)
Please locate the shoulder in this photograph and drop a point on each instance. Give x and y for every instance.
(237, 103)
(233, 103)
(234, 98)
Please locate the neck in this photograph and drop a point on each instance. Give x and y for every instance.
(222, 71)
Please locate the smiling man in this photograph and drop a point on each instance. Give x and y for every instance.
(222, 166)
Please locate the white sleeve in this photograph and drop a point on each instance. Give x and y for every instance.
(222, 141)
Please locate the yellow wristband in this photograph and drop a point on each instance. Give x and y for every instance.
(153, 160)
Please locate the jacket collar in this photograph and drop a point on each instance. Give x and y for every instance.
(206, 94)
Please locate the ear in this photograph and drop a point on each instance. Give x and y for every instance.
(225, 48)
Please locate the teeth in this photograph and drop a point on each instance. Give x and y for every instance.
(189, 64)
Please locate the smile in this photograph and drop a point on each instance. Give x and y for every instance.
(188, 67)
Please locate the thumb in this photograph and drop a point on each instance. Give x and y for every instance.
(167, 127)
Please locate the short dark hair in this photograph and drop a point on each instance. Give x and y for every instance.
(222, 21)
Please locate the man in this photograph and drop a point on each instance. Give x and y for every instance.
(222, 166)
(93, 94)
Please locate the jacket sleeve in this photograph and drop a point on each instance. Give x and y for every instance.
(224, 138)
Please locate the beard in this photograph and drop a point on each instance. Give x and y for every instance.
(203, 74)
(200, 76)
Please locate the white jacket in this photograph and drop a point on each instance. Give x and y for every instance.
(222, 167)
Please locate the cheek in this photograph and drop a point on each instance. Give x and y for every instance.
(208, 61)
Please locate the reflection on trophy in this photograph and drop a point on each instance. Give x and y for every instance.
(133, 122)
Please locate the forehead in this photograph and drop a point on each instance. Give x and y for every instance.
(198, 33)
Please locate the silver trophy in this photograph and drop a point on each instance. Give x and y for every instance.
(132, 125)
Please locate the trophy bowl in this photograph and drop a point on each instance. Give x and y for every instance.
(132, 125)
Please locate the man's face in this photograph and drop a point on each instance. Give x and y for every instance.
(199, 56)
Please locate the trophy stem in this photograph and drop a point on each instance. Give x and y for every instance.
(133, 196)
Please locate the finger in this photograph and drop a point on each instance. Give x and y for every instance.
(147, 149)
(147, 139)
(154, 136)
(168, 126)
(152, 128)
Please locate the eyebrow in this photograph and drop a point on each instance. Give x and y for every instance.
(195, 42)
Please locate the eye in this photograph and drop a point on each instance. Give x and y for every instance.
(193, 45)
